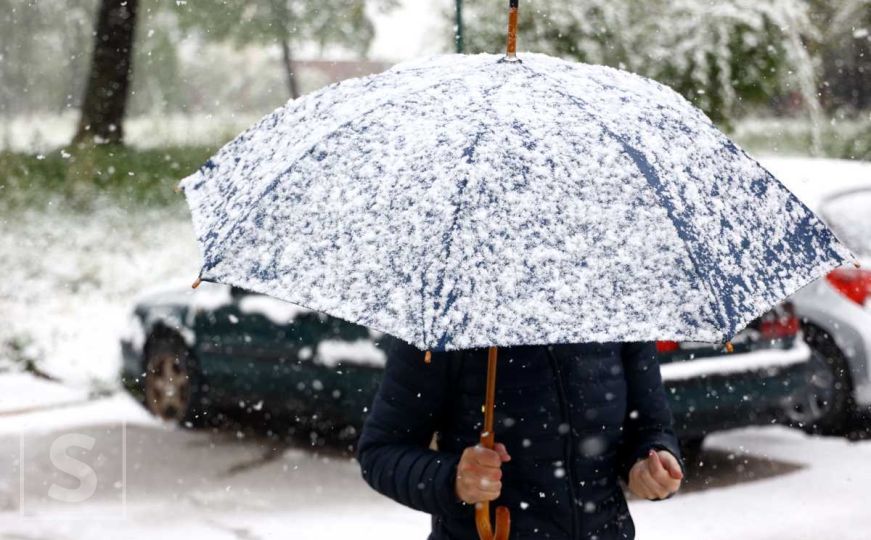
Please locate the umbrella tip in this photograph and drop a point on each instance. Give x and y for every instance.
(856, 263)
(427, 357)
(729, 347)
(197, 282)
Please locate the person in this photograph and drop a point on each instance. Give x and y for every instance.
(570, 420)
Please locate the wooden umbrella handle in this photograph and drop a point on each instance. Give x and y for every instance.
(488, 440)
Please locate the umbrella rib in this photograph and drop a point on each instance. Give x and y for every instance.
(212, 240)
(645, 169)
(469, 154)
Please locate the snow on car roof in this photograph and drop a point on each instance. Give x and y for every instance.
(849, 215)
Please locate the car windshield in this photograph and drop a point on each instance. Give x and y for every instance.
(849, 215)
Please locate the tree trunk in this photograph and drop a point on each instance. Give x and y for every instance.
(281, 15)
(105, 98)
(288, 69)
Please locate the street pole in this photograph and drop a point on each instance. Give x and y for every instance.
(458, 33)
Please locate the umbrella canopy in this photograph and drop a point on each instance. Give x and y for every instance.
(461, 201)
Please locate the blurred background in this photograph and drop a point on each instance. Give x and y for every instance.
(226, 414)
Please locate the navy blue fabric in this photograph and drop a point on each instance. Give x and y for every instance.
(573, 417)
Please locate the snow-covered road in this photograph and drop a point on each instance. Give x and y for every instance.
(757, 484)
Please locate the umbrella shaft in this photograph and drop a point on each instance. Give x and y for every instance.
(512, 29)
(488, 440)
(488, 437)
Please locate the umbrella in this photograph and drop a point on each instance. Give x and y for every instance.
(482, 201)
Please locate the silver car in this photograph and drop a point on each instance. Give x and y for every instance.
(836, 318)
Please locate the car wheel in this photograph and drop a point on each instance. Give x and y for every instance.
(827, 405)
(172, 383)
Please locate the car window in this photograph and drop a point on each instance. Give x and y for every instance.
(849, 215)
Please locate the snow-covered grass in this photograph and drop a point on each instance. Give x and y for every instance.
(69, 279)
(35, 406)
(45, 132)
(843, 139)
(21, 392)
(82, 178)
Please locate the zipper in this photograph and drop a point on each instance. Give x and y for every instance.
(569, 446)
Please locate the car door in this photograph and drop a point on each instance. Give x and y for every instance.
(251, 348)
(703, 400)
(346, 364)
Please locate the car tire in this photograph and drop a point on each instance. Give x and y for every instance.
(827, 408)
(173, 388)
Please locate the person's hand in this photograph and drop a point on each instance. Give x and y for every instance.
(479, 473)
(656, 477)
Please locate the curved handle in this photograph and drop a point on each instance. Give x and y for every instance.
(482, 522)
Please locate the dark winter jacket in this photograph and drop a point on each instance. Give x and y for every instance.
(573, 417)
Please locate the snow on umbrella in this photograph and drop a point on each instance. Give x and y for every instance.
(462, 202)
(467, 201)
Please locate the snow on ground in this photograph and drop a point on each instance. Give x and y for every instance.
(69, 280)
(826, 497)
(760, 484)
(20, 392)
(45, 132)
(48, 416)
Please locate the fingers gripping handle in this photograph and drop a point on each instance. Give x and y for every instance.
(488, 440)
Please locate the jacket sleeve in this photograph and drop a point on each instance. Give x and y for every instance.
(393, 450)
(648, 423)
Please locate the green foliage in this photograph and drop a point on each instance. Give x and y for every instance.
(845, 49)
(724, 57)
(157, 68)
(845, 139)
(77, 179)
(46, 47)
(299, 22)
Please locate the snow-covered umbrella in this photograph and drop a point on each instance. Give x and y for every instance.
(482, 201)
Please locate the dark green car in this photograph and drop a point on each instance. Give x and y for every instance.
(191, 354)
